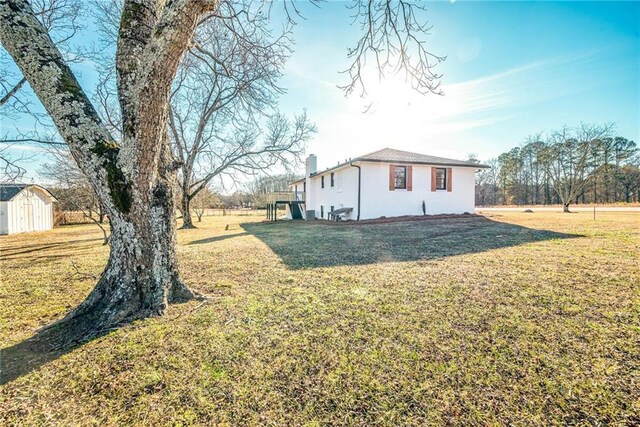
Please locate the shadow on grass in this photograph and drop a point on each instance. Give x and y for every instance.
(316, 244)
(217, 238)
(45, 346)
(16, 252)
(320, 244)
(48, 344)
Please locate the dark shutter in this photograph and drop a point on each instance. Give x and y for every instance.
(449, 178)
(433, 178)
(409, 178)
(392, 179)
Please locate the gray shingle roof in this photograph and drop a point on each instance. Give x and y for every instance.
(391, 155)
(8, 191)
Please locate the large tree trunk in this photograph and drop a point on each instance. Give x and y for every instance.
(565, 207)
(133, 178)
(141, 277)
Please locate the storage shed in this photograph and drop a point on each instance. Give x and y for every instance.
(25, 207)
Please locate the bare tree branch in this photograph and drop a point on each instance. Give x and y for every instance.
(392, 33)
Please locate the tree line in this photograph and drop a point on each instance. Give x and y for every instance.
(572, 165)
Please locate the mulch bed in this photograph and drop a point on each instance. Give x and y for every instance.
(404, 218)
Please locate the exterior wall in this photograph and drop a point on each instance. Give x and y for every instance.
(344, 193)
(29, 210)
(378, 200)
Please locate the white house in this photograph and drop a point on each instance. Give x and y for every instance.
(389, 183)
(25, 207)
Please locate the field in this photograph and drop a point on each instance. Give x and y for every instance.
(506, 319)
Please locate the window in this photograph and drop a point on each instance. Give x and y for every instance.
(400, 177)
(441, 178)
(321, 211)
(332, 180)
(304, 186)
(322, 181)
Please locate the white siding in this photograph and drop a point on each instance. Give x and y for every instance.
(378, 200)
(29, 210)
(344, 193)
(4, 218)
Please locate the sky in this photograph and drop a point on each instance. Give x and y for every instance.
(512, 69)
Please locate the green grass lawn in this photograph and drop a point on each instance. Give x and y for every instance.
(509, 319)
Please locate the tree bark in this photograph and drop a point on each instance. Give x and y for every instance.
(187, 220)
(132, 178)
(101, 214)
(142, 276)
(565, 207)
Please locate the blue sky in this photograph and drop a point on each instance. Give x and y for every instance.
(512, 69)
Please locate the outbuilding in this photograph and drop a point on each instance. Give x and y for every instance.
(24, 208)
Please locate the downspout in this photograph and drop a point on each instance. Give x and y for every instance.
(359, 181)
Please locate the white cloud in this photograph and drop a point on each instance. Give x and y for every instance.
(22, 147)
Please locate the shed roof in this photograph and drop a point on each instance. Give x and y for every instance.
(9, 191)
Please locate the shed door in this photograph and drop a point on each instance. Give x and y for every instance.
(26, 217)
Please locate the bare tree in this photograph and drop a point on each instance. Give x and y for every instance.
(226, 87)
(393, 33)
(133, 176)
(10, 169)
(205, 199)
(224, 95)
(244, 151)
(568, 154)
(74, 190)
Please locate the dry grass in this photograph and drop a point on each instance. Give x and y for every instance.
(521, 319)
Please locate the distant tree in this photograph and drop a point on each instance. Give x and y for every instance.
(629, 179)
(73, 189)
(473, 158)
(577, 163)
(223, 120)
(567, 159)
(205, 199)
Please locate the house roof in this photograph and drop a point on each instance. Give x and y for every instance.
(389, 155)
(9, 191)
